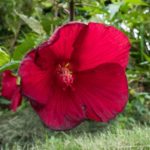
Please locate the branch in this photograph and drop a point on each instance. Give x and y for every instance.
(15, 39)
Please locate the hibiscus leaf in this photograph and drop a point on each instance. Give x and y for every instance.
(4, 57)
(27, 44)
(10, 65)
(33, 23)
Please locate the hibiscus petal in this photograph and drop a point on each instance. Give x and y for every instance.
(61, 42)
(100, 44)
(10, 89)
(62, 112)
(36, 82)
(56, 107)
(103, 91)
(16, 99)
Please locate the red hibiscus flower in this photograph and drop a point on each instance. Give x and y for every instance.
(78, 74)
(10, 89)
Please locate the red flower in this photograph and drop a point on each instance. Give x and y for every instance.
(10, 89)
(78, 74)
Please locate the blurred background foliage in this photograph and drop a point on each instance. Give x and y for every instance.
(26, 23)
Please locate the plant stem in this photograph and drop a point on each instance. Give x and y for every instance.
(15, 39)
(142, 42)
(71, 7)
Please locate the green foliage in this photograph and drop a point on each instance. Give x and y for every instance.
(34, 24)
(136, 2)
(10, 66)
(4, 57)
(9, 20)
(26, 44)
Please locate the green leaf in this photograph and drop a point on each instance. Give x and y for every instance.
(4, 101)
(146, 57)
(4, 57)
(46, 23)
(136, 2)
(34, 24)
(10, 65)
(27, 44)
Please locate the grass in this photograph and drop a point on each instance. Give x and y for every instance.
(24, 131)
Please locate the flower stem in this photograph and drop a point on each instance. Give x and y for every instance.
(71, 8)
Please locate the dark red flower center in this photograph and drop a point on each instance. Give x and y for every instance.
(65, 75)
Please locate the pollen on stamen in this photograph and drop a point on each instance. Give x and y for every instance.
(65, 75)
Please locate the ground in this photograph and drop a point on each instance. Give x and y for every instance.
(24, 131)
